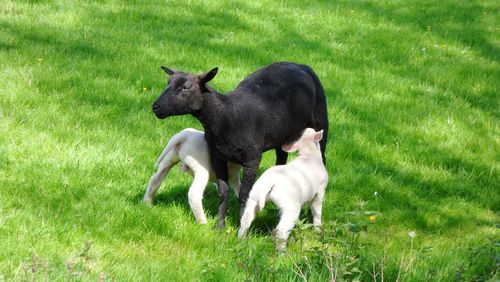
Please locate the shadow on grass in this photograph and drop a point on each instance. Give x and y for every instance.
(453, 21)
(420, 197)
(178, 196)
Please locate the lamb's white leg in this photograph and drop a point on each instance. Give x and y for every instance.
(247, 218)
(289, 216)
(195, 195)
(316, 209)
(234, 178)
(197, 188)
(167, 163)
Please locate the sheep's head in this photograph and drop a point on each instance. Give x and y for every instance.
(184, 93)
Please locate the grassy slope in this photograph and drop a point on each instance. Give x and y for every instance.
(414, 110)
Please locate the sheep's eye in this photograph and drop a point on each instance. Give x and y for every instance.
(182, 90)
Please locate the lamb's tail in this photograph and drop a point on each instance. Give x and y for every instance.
(172, 143)
(261, 190)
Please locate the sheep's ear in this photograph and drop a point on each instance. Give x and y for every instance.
(318, 136)
(167, 70)
(289, 148)
(206, 77)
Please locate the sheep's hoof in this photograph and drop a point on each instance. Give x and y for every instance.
(221, 225)
(148, 202)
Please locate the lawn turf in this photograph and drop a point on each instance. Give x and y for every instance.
(412, 90)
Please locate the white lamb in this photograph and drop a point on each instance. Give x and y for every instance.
(190, 148)
(290, 186)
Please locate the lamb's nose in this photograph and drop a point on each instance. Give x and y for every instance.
(155, 107)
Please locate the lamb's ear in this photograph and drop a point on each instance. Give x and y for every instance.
(289, 148)
(167, 70)
(206, 77)
(318, 136)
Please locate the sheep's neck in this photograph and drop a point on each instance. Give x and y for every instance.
(212, 111)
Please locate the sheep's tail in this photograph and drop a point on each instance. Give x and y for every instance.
(320, 91)
(320, 107)
(261, 190)
(174, 141)
(320, 113)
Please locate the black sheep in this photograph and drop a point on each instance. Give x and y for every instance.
(269, 108)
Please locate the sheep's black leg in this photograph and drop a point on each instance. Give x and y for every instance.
(220, 168)
(322, 124)
(250, 170)
(222, 188)
(281, 156)
(322, 144)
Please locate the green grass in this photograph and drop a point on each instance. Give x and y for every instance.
(413, 102)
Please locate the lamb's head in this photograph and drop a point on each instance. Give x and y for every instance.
(184, 93)
(309, 141)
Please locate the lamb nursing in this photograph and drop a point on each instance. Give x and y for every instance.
(290, 186)
(190, 149)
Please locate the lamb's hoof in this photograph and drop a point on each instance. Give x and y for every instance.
(318, 228)
(241, 234)
(202, 221)
(280, 245)
(148, 201)
(281, 251)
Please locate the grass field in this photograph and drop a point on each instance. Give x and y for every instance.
(412, 89)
